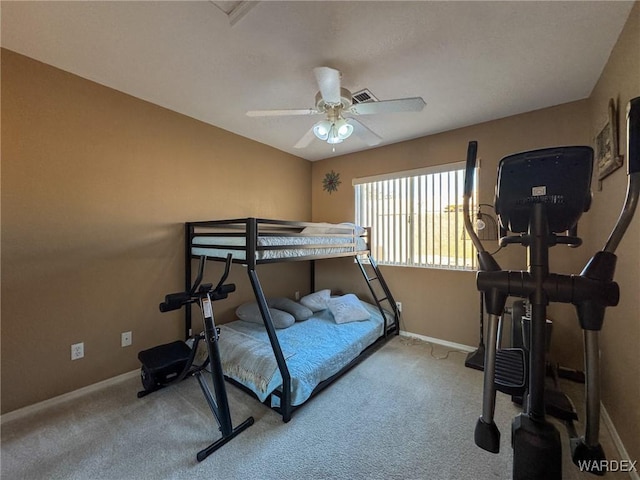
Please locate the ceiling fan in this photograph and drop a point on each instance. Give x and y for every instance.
(333, 101)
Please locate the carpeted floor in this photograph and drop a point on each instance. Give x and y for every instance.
(407, 412)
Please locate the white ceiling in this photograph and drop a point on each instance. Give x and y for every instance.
(213, 61)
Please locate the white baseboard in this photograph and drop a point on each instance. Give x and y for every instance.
(617, 441)
(36, 407)
(444, 343)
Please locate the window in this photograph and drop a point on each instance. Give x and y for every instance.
(416, 217)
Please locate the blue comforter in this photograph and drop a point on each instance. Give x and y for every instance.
(315, 349)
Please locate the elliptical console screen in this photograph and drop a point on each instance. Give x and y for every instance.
(559, 178)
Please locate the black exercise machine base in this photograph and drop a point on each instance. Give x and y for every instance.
(487, 436)
(589, 458)
(475, 359)
(202, 454)
(532, 442)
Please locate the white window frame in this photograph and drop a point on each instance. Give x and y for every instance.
(412, 219)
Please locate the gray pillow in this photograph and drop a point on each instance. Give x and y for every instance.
(299, 312)
(348, 308)
(317, 301)
(250, 312)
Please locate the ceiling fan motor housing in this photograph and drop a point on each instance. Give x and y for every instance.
(346, 100)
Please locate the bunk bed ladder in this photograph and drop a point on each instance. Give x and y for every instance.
(386, 293)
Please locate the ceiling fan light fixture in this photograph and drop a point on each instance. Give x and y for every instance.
(333, 132)
(340, 130)
(322, 129)
(344, 129)
(334, 137)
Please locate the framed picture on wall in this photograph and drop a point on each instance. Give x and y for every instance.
(607, 157)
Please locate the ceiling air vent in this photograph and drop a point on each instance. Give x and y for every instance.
(363, 96)
(234, 10)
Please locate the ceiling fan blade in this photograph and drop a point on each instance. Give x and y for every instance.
(329, 82)
(306, 139)
(282, 113)
(413, 104)
(364, 133)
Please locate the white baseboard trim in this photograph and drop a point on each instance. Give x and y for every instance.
(617, 441)
(36, 407)
(444, 343)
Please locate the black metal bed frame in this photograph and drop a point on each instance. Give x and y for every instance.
(251, 229)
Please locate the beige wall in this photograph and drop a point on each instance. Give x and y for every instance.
(96, 186)
(620, 339)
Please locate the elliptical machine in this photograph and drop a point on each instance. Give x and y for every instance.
(167, 364)
(541, 194)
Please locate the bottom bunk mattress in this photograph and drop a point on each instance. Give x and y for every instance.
(314, 349)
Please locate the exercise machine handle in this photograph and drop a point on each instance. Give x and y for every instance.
(633, 136)
(633, 171)
(472, 151)
(222, 291)
(486, 262)
(469, 174)
(174, 301)
(227, 267)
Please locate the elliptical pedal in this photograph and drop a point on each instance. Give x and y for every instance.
(511, 371)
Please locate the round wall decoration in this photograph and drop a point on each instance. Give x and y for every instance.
(331, 181)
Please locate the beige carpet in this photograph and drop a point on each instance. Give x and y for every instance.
(407, 412)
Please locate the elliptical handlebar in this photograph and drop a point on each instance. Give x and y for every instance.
(633, 172)
(633, 136)
(469, 175)
(486, 262)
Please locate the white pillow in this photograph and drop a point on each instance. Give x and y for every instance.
(250, 312)
(332, 228)
(346, 227)
(348, 308)
(317, 301)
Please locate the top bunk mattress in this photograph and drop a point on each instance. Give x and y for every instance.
(287, 246)
(273, 240)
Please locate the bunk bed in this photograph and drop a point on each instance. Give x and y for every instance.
(293, 367)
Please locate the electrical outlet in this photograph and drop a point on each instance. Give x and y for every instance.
(296, 295)
(125, 339)
(77, 351)
(399, 306)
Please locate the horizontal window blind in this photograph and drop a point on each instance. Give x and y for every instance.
(416, 217)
